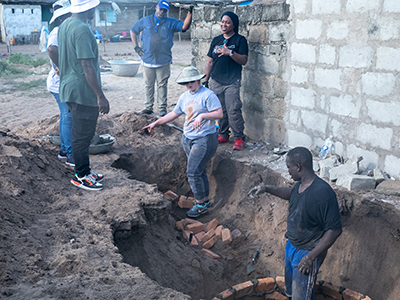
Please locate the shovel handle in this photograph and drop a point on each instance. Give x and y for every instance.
(255, 255)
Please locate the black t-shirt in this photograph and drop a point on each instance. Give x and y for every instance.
(224, 69)
(311, 214)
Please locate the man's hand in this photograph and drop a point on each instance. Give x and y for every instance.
(57, 70)
(205, 84)
(104, 105)
(150, 127)
(305, 265)
(255, 191)
(139, 50)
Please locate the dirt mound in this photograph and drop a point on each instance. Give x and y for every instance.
(58, 241)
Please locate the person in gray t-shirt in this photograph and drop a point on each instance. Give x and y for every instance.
(200, 138)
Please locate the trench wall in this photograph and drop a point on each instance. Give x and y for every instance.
(319, 68)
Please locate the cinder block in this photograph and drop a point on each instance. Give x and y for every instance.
(200, 235)
(210, 243)
(226, 235)
(171, 196)
(331, 290)
(211, 225)
(265, 284)
(356, 182)
(195, 227)
(243, 289)
(185, 202)
(210, 254)
(208, 235)
(218, 231)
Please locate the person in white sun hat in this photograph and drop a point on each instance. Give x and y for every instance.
(200, 137)
(80, 87)
(61, 12)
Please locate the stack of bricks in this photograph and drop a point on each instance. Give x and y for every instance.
(272, 288)
(182, 201)
(206, 235)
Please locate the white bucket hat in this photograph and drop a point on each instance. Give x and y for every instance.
(189, 74)
(78, 6)
(64, 8)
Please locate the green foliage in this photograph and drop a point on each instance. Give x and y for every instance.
(18, 58)
(7, 69)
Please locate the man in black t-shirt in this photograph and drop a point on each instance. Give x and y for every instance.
(313, 223)
(227, 54)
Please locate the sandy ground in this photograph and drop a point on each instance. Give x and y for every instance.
(60, 242)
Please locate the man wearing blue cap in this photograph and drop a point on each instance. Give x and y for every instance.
(156, 56)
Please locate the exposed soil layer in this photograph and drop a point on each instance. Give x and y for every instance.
(60, 242)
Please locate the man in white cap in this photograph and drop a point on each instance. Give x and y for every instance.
(80, 87)
(156, 56)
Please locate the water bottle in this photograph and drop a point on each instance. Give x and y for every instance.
(326, 147)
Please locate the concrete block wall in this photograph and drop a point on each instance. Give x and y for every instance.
(342, 72)
(263, 91)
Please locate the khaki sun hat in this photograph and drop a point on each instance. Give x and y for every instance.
(78, 6)
(64, 7)
(189, 74)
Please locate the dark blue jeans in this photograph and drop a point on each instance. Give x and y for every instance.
(199, 152)
(84, 120)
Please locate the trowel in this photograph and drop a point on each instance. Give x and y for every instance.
(251, 267)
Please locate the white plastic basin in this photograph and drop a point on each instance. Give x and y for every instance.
(127, 68)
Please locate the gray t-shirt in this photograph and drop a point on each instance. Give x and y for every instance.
(203, 101)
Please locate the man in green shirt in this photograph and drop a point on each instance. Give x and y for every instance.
(80, 87)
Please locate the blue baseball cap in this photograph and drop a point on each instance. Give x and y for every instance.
(163, 4)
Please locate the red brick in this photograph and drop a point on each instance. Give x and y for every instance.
(227, 295)
(254, 298)
(328, 289)
(210, 254)
(218, 231)
(181, 224)
(243, 289)
(352, 295)
(211, 225)
(191, 221)
(277, 296)
(185, 203)
(280, 280)
(195, 227)
(171, 196)
(210, 243)
(186, 234)
(194, 241)
(199, 236)
(208, 235)
(226, 235)
(236, 233)
(265, 284)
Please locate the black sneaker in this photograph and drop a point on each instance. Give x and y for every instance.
(97, 177)
(162, 113)
(62, 155)
(70, 161)
(198, 209)
(146, 111)
(86, 182)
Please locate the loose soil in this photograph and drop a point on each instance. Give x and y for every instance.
(60, 242)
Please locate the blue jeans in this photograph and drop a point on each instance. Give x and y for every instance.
(199, 152)
(300, 286)
(65, 126)
(84, 126)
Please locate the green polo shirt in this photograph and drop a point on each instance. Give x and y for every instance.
(76, 42)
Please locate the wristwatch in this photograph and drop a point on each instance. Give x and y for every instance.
(230, 54)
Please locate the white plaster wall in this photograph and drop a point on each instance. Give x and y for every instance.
(24, 20)
(343, 78)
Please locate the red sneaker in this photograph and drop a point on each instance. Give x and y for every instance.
(222, 140)
(239, 144)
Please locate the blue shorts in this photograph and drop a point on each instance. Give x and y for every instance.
(299, 286)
